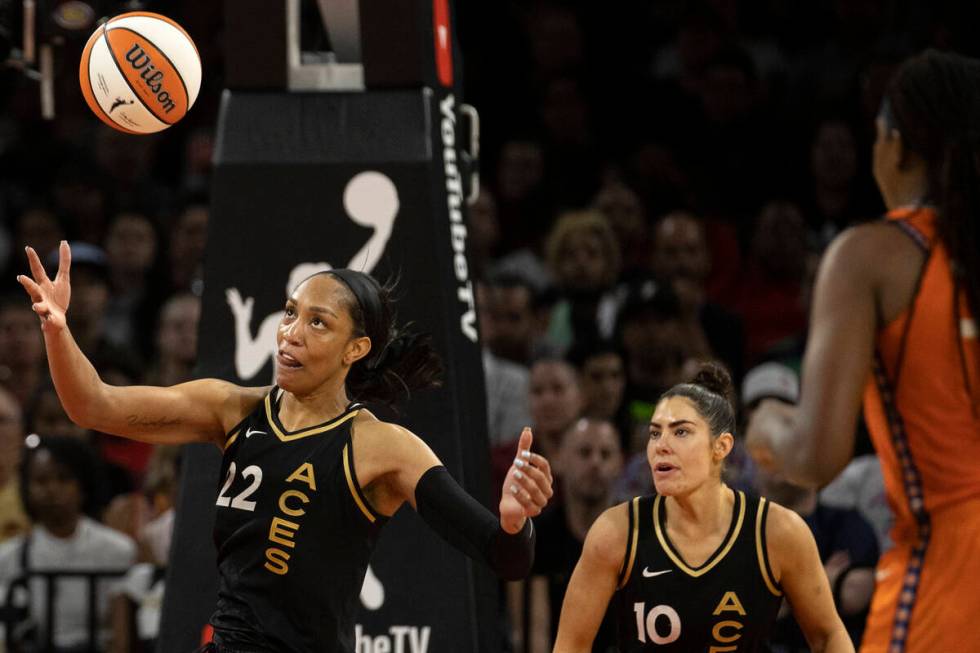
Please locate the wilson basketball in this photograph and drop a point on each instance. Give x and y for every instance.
(140, 72)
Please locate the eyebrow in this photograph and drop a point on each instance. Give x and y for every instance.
(314, 309)
(675, 423)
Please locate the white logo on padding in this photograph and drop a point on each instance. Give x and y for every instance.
(372, 591)
(370, 200)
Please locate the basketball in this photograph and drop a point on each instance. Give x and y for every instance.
(140, 72)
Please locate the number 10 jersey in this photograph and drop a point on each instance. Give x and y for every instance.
(726, 605)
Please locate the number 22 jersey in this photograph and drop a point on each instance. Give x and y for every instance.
(293, 533)
(726, 605)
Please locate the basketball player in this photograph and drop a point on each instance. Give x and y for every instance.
(308, 476)
(894, 321)
(697, 566)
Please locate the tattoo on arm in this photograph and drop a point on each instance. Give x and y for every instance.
(146, 422)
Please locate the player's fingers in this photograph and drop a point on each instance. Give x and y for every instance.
(530, 507)
(539, 477)
(530, 488)
(37, 269)
(539, 462)
(527, 438)
(32, 288)
(41, 308)
(64, 261)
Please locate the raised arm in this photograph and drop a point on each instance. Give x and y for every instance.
(593, 582)
(197, 411)
(398, 467)
(797, 566)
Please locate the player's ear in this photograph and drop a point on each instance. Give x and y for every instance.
(357, 348)
(722, 446)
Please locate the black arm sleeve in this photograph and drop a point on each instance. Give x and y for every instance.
(466, 524)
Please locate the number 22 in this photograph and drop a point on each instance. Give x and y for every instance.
(241, 501)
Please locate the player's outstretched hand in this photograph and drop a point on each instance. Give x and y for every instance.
(50, 297)
(527, 487)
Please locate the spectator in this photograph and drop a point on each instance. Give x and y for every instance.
(602, 377)
(188, 238)
(555, 402)
(59, 487)
(141, 600)
(681, 258)
(508, 316)
(650, 332)
(624, 209)
(38, 227)
(131, 253)
(13, 519)
(22, 365)
(590, 459)
(484, 228)
(176, 341)
(90, 297)
(769, 294)
(835, 197)
(583, 256)
(46, 417)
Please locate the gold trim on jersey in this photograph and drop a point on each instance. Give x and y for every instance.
(302, 433)
(763, 567)
(353, 489)
(717, 557)
(631, 543)
(231, 439)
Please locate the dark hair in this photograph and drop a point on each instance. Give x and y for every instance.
(75, 456)
(584, 351)
(934, 102)
(713, 394)
(509, 279)
(401, 360)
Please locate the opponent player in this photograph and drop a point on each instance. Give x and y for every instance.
(309, 477)
(894, 320)
(697, 566)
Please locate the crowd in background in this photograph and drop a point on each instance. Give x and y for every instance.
(659, 183)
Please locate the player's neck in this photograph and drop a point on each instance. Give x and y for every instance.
(701, 512)
(300, 411)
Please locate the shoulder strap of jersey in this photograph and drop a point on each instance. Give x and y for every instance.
(632, 538)
(762, 547)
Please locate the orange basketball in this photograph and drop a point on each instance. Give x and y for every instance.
(140, 72)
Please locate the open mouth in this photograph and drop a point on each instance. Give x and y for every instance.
(285, 360)
(663, 468)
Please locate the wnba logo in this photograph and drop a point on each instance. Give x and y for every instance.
(151, 75)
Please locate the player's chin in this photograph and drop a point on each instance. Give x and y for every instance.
(289, 378)
(668, 487)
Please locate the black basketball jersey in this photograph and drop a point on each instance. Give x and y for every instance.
(294, 534)
(728, 604)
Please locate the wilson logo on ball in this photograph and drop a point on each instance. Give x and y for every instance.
(151, 76)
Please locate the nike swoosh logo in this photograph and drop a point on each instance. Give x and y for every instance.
(250, 432)
(650, 574)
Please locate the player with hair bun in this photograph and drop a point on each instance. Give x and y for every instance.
(697, 566)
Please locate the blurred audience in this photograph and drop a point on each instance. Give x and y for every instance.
(60, 489)
(13, 519)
